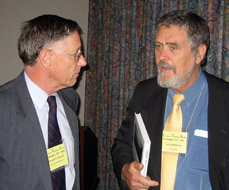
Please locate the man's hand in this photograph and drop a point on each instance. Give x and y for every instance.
(135, 181)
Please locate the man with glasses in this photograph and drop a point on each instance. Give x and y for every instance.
(39, 144)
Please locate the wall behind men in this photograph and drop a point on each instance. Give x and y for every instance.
(14, 12)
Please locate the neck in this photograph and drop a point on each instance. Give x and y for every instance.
(40, 78)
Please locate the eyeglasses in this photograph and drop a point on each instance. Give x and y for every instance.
(78, 55)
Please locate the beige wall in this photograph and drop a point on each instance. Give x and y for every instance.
(14, 12)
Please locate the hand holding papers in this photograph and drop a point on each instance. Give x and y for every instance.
(141, 143)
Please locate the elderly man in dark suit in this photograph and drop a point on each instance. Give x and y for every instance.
(39, 144)
(181, 45)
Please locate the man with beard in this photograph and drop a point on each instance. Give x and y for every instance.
(181, 46)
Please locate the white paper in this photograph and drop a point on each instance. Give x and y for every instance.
(201, 133)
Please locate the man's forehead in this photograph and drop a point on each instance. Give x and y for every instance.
(171, 33)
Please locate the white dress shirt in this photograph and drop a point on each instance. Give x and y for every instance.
(39, 98)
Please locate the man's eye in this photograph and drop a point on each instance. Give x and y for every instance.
(173, 48)
(157, 46)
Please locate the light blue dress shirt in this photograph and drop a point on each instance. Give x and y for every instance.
(192, 167)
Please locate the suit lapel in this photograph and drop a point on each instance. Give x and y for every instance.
(73, 122)
(155, 127)
(218, 132)
(217, 120)
(71, 116)
(30, 131)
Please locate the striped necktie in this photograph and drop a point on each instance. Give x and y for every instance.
(54, 138)
(169, 160)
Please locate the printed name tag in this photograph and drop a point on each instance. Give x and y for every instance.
(57, 157)
(175, 142)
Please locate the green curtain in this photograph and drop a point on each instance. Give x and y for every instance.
(121, 53)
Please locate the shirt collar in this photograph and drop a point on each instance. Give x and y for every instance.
(38, 95)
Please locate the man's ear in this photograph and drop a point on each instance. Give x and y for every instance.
(201, 51)
(45, 58)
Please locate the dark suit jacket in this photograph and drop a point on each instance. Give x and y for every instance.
(23, 158)
(149, 99)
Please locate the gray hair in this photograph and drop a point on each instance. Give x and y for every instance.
(197, 29)
(40, 32)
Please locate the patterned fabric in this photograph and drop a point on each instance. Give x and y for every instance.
(54, 138)
(120, 50)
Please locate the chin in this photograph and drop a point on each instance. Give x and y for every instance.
(165, 78)
(73, 82)
(165, 82)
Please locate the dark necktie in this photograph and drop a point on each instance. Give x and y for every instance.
(54, 138)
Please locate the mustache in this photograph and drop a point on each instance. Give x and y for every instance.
(164, 64)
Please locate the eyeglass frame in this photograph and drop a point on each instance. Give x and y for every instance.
(78, 55)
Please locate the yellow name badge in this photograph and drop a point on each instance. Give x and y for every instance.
(175, 142)
(57, 156)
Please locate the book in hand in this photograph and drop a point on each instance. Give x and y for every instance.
(141, 143)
